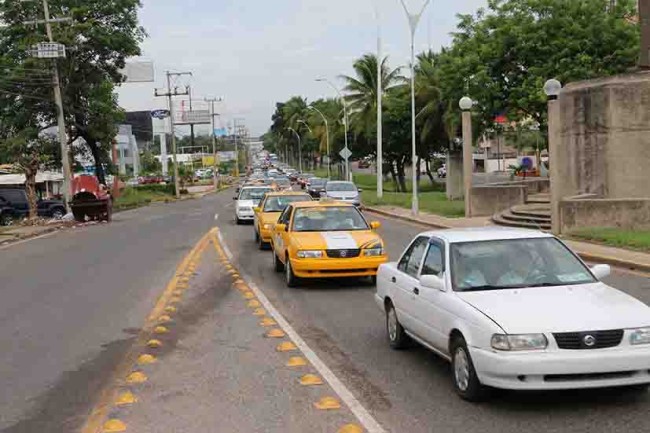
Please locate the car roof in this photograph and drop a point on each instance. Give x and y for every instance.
(340, 181)
(489, 233)
(321, 203)
(285, 193)
(256, 187)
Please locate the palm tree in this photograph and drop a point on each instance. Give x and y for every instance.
(362, 92)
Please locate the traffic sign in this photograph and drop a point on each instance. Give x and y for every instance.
(345, 153)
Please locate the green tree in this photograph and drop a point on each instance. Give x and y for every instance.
(149, 163)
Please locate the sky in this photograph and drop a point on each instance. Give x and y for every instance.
(254, 53)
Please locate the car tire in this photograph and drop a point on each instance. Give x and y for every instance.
(397, 338)
(464, 378)
(277, 264)
(58, 213)
(6, 219)
(638, 389)
(290, 277)
(237, 221)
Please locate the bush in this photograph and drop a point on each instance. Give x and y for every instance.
(164, 189)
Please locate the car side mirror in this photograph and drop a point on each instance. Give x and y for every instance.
(360, 189)
(432, 282)
(256, 209)
(281, 227)
(235, 198)
(601, 271)
(375, 225)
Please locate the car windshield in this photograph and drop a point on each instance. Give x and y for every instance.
(328, 219)
(253, 193)
(279, 203)
(317, 182)
(341, 186)
(515, 263)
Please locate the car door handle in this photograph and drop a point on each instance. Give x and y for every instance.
(416, 290)
(393, 280)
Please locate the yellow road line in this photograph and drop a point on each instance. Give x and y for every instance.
(108, 395)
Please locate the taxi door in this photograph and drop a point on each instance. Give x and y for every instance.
(281, 237)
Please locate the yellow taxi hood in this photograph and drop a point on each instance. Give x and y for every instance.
(339, 240)
(269, 217)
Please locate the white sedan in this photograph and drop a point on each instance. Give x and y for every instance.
(514, 309)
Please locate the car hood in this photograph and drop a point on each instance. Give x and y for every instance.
(269, 217)
(334, 240)
(247, 203)
(585, 307)
(343, 194)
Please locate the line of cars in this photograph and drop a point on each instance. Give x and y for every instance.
(508, 308)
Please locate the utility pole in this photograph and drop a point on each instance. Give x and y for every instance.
(235, 131)
(58, 99)
(212, 101)
(189, 91)
(169, 95)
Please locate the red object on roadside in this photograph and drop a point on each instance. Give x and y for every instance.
(501, 119)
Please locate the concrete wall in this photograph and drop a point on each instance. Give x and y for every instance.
(487, 200)
(604, 137)
(622, 213)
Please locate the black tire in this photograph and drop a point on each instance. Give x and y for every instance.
(289, 276)
(638, 389)
(58, 213)
(397, 338)
(277, 264)
(6, 219)
(464, 378)
(79, 215)
(237, 221)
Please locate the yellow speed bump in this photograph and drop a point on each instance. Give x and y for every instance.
(136, 377)
(286, 346)
(275, 333)
(154, 344)
(327, 403)
(296, 361)
(125, 398)
(160, 330)
(177, 293)
(145, 359)
(259, 312)
(351, 428)
(113, 425)
(310, 379)
(170, 309)
(267, 321)
(239, 281)
(164, 319)
(254, 303)
(249, 295)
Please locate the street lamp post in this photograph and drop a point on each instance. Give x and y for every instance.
(466, 105)
(327, 139)
(299, 146)
(379, 159)
(552, 89)
(345, 121)
(414, 19)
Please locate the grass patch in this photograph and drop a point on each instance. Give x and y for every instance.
(634, 239)
(143, 195)
(432, 202)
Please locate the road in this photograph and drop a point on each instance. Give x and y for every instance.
(72, 303)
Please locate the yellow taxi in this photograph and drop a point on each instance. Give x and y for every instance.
(325, 239)
(268, 211)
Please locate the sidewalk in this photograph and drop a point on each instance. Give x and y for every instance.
(591, 252)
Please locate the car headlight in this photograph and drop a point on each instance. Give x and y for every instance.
(267, 226)
(310, 254)
(640, 336)
(519, 342)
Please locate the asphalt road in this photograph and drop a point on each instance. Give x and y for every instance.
(72, 302)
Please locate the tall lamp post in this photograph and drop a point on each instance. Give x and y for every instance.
(308, 129)
(552, 89)
(299, 146)
(345, 121)
(414, 19)
(379, 159)
(327, 139)
(466, 105)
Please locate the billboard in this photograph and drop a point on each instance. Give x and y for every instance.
(226, 156)
(138, 72)
(194, 117)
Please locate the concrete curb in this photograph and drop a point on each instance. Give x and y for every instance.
(19, 238)
(590, 257)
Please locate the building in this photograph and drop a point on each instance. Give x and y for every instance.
(128, 154)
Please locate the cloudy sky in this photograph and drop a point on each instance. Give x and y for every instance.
(254, 53)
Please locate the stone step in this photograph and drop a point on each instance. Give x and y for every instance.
(539, 199)
(532, 210)
(509, 220)
(525, 218)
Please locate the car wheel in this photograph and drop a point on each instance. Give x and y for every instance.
(237, 221)
(465, 380)
(6, 220)
(397, 337)
(277, 264)
(292, 280)
(58, 213)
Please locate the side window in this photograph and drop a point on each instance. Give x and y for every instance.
(434, 261)
(286, 215)
(410, 261)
